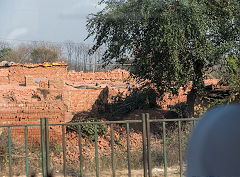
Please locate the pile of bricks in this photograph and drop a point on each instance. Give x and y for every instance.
(19, 114)
(43, 84)
(117, 74)
(82, 99)
(29, 81)
(4, 79)
(17, 73)
(56, 83)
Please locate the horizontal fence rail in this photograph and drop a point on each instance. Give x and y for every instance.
(146, 124)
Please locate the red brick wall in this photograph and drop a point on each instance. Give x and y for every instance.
(4, 75)
(17, 73)
(116, 74)
(171, 100)
(76, 100)
(81, 100)
(20, 114)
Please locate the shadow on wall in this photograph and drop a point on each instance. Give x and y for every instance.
(116, 105)
(113, 104)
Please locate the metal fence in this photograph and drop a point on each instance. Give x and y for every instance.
(145, 123)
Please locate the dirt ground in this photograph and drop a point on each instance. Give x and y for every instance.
(156, 172)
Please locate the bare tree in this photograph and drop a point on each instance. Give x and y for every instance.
(78, 54)
(75, 54)
(4, 44)
(69, 46)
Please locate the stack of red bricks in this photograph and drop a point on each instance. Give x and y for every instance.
(43, 84)
(27, 114)
(117, 74)
(4, 79)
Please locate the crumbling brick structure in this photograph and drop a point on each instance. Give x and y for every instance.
(113, 75)
(29, 92)
(18, 72)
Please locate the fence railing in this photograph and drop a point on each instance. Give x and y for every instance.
(145, 124)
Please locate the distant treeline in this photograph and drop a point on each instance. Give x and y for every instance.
(74, 54)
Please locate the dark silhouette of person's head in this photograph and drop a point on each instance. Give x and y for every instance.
(214, 145)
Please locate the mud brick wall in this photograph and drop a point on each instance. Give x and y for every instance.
(20, 114)
(29, 81)
(171, 100)
(82, 99)
(4, 75)
(43, 84)
(17, 73)
(117, 74)
(34, 134)
(56, 83)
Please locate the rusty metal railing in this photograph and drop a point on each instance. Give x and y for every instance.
(145, 123)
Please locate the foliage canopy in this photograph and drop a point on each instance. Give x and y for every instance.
(4, 53)
(43, 54)
(171, 42)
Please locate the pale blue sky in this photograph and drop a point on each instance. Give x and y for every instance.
(50, 20)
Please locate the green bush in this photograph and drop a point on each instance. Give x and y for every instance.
(56, 148)
(36, 96)
(44, 92)
(59, 97)
(88, 129)
(234, 71)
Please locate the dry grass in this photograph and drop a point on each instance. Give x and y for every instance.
(172, 144)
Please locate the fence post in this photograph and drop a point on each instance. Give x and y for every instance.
(128, 152)
(64, 151)
(148, 146)
(144, 135)
(96, 150)
(43, 148)
(164, 149)
(112, 149)
(26, 150)
(47, 146)
(10, 152)
(80, 150)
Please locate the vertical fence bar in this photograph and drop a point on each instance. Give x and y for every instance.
(149, 158)
(144, 145)
(180, 147)
(164, 150)
(47, 146)
(96, 150)
(43, 148)
(10, 152)
(128, 152)
(112, 148)
(64, 150)
(26, 150)
(80, 150)
(192, 122)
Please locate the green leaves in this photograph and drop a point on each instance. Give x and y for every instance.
(172, 42)
(87, 130)
(43, 54)
(4, 54)
(234, 69)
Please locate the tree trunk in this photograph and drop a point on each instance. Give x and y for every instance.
(191, 97)
(197, 87)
